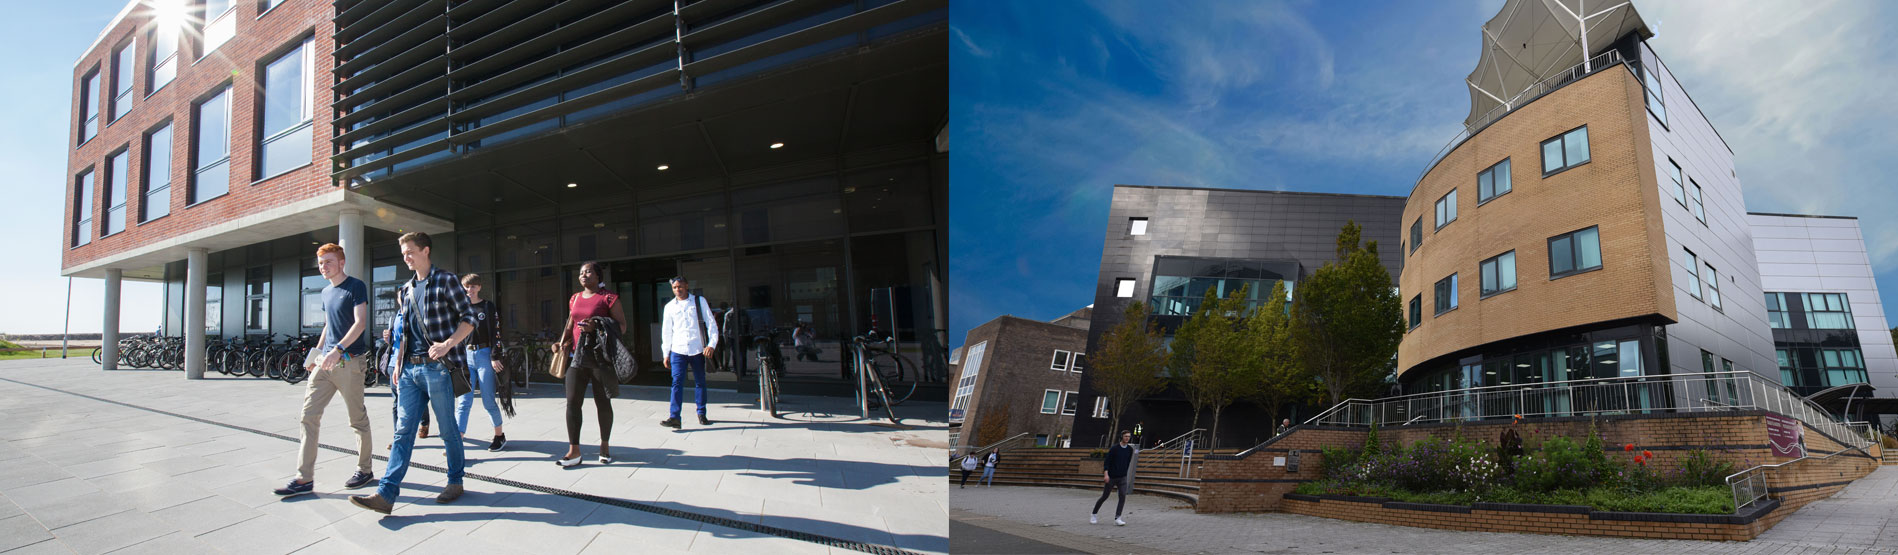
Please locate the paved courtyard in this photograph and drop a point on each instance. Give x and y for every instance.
(144, 461)
(1861, 519)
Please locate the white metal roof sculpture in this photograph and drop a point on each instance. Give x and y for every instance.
(1533, 41)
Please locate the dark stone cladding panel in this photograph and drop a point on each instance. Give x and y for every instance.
(1220, 223)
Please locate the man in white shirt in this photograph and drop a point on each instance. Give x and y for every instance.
(688, 334)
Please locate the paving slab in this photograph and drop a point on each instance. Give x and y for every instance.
(187, 466)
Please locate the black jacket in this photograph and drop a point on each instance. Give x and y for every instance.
(1119, 458)
(602, 352)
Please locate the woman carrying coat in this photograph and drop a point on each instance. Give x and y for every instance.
(592, 300)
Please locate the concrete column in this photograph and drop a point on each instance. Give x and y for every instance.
(109, 333)
(355, 253)
(196, 261)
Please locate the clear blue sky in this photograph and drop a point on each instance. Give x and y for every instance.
(40, 42)
(1052, 103)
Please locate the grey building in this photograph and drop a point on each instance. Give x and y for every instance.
(1828, 323)
(1167, 246)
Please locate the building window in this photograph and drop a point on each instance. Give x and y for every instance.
(313, 317)
(269, 5)
(1787, 376)
(1842, 366)
(1713, 287)
(287, 107)
(1446, 294)
(1574, 253)
(1124, 288)
(214, 304)
(1070, 400)
(1076, 362)
(1499, 274)
(1828, 311)
(220, 24)
(1446, 209)
(1136, 226)
(164, 56)
(1776, 311)
(1180, 284)
(1416, 234)
(212, 175)
(89, 106)
(1416, 311)
(1050, 401)
(257, 300)
(965, 386)
(157, 194)
(123, 63)
(1100, 407)
(1693, 265)
(1493, 182)
(1651, 85)
(1679, 190)
(1565, 151)
(1700, 208)
(115, 192)
(82, 210)
(1060, 360)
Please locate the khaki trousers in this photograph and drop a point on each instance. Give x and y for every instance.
(345, 378)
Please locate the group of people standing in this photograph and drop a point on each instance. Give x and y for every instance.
(445, 336)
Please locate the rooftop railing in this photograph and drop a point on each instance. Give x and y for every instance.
(1605, 60)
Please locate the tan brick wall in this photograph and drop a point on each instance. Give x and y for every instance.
(1253, 484)
(1523, 522)
(238, 63)
(1616, 190)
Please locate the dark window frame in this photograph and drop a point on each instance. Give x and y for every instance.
(146, 192)
(84, 205)
(1699, 205)
(1441, 210)
(1416, 234)
(1575, 253)
(1693, 263)
(1446, 285)
(1483, 290)
(1542, 150)
(1491, 171)
(1680, 182)
(1713, 287)
(108, 185)
(1416, 311)
(263, 327)
(198, 165)
(93, 79)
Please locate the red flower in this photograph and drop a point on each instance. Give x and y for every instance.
(1646, 454)
(1641, 461)
(1628, 447)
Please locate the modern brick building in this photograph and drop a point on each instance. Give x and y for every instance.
(1167, 246)
(1020, 376)
(787, 156)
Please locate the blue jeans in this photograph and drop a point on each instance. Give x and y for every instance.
(679, 363)
(480, 361)
(421, 384)
(988, 475)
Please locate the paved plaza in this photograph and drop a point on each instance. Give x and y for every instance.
(145, 461)
(1861, 519)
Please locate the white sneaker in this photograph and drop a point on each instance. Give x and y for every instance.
(1119, 522)
(1093, 519)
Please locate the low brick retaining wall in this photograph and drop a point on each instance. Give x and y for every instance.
(1538, 519)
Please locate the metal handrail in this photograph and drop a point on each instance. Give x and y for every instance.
(1176, 445)
(954, 459)
(1529, 94)
(1758, 473)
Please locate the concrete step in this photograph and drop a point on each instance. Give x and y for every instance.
(1191, 498)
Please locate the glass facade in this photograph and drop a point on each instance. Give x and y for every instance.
(157, 201)
(1180, 284)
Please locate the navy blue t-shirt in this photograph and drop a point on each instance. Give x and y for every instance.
(417, 344)
(339, 308)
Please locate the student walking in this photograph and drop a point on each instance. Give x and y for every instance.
(988, 469)
(393, 367)
(342, 358)
(968, 467)
(481, 363)
(1114, 476)
(438, 319)
(592, 301)
(689, 336)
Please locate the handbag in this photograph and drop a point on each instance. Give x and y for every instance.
(458, 375)
(559, 366)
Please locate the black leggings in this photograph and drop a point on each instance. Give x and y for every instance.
(1111, 486)
(965, 477)
(577, 380)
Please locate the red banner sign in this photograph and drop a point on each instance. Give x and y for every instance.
(1787, 436)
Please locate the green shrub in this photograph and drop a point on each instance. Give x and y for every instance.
(1336, 461)
(1700, 468)
(1563, 464)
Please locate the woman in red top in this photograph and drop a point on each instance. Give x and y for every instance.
(592, 300)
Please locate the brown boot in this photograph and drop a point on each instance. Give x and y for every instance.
(372, 502)
(449, 494)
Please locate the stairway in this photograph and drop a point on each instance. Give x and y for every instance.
(1891, 457)
(1051, 467)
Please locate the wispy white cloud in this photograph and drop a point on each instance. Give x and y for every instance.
(969, 44)
(1799, 89)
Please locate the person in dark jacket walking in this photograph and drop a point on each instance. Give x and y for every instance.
(968, 466)
(1120, 459)
(988, 467)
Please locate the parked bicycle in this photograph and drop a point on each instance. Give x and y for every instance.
(897, 374)
(770, 369)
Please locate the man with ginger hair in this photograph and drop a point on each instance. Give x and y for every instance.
(337, 366)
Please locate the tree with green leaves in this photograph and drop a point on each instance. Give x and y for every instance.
(1212, 355)
(1279, 375)
(1347, 320)
(1127, 363)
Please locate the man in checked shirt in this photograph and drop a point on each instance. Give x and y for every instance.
(439, 318)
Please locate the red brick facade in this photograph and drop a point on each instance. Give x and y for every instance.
(239, 63)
